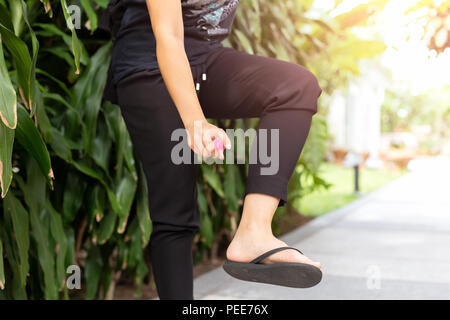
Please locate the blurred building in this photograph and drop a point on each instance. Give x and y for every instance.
(354, 117)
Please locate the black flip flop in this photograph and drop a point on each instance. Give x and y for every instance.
(288, 274)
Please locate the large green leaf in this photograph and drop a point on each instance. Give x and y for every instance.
(14, 287)
(93, 20)
(94, 174)
(60, 145)
(245, 43)
(89, 90)
(15, 9)
(29, 137)
(47, 7)
(8, 99)
(142, 208)
(232, 178)
(95, 204)
(46, 259)
(6, 142)
(2, 267)
(73, 195)
(34, 192)
(125, 193)
(22, 60)
(106, 227)
(57, 231)
(206, 230)
(5, 17)
(213, 179)
(50, 30)
(92, 271)
(20, 220)
(118, 133)
(101, 152)
(76, 44)
(35, 46)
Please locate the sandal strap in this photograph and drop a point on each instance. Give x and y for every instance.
(268, 253)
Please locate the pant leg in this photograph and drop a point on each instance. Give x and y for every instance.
(282, 94)
(151, 117)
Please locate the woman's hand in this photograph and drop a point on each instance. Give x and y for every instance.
(201, 137)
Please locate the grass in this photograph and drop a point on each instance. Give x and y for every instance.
(342, 190)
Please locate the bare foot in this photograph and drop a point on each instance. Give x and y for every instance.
(246, 246)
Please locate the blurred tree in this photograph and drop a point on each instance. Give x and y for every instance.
(436, 15)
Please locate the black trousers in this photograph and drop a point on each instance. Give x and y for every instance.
(237, 85)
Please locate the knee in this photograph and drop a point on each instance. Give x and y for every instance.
(307, 82)
(301, 87)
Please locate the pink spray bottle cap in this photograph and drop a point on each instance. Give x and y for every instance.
(219, 144)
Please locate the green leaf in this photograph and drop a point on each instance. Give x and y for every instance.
(8, 98)
(19, 218)
(42, 118)
(136, 251)
(95, 204)
(230, 182)
(2, 267)
(60, 145)
(125, 193)
(91, 14)
(106, 227)
(76, 45)
(5, 17)
(57, 230)
(29, 137)
(142, 208)
(92, 271)
(201, 200)
(102, 147)
(15, 9)
(213, 179)
(15, 289)
(89, 91)
(22, 60)
(47, 7)
(35, 46)
(6, 141)
(94, 174)
(73, 195)
(119, 134)
(46, 259)
(102, 3)
(206, 230)
(244, 42)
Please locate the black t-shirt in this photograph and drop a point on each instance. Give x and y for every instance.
(206, 24)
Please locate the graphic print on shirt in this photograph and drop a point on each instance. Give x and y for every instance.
(208, 14)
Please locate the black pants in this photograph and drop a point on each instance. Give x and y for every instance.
(237, 85)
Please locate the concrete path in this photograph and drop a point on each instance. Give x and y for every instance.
(393, 243)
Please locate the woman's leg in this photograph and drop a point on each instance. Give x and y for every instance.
(284, 96)
(151, 118)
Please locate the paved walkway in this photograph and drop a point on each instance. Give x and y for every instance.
(393, 243)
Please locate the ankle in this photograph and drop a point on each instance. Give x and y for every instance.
(254, 231)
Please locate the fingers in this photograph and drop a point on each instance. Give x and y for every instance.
(201, 140)
(224, 137)
(209, 137)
